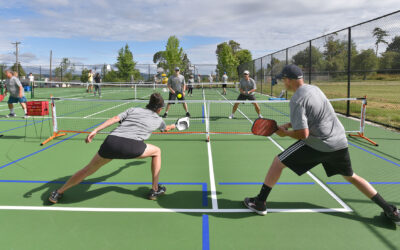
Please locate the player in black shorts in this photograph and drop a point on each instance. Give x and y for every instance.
(321, 140)
(126, 142)
(224, 80)
(247, 88)
(177, 86)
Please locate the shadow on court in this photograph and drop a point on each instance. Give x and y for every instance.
(80, 192)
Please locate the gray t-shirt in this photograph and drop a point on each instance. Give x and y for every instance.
(176, 82)
(247, 85)
(224, 78)
(138, 124)
(13, 85)
(309, 108)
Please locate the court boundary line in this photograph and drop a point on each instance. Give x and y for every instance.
(171, 210)
(214, 209)
(213, 187)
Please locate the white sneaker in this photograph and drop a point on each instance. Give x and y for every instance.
(260, 116)
(231, 116)
(26, 116)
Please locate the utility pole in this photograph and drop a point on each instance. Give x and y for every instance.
(16, 56)
(51, 55)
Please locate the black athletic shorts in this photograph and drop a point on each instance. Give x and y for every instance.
(172, 97)
(300, 158)
(224, 85)
(242, 97)
(115, 147)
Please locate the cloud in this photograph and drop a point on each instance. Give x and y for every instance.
(260, 26)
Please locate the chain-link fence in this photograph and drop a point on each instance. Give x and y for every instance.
(361, 60)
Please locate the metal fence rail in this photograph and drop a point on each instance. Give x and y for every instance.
(361, 60)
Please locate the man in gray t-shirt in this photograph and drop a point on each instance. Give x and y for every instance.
(126, 142)
(177, 87)
(321, 140)
(247, 87)
(17, 94)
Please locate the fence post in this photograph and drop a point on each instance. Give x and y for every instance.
(348, 71)
(309, 63)
(262, 74)
(272, 69)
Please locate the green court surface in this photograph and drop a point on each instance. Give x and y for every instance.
(206, 184)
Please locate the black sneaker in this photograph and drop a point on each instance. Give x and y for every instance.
(11, 115)
(165, 115)
(187, 114)
(255, 205)
(55, 196)
(394, 215)
(154, 194)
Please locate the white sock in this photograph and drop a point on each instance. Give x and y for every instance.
(26, 112)
(11, 111)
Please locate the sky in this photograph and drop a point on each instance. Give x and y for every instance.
(92, 31)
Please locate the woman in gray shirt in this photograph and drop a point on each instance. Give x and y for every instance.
(126, 142)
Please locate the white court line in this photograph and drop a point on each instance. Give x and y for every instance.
(213, 188)
(329, 191)
(166, 210)
(214, 208)
(105, 110)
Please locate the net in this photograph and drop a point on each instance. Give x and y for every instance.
(207, 116)
(123, 91)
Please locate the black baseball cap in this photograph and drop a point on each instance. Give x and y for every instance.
(291, 71)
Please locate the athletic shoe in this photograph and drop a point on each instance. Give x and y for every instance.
(165, 115)
(260, 116)
(231, 116)
(154, 194)
(26, 116)
(394, 215)
(255, 205)
(55, 196)
(187, 114)
(11, 115)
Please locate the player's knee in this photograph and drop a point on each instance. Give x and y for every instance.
(351, 178)
(277, 163)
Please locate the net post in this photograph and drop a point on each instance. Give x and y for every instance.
(54, 119)
(361, 133)
(135, 92)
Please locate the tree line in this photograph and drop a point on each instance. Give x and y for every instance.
(229, 56)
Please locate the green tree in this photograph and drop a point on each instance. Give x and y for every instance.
(235, 46)
(302, 58)
(185, 65)
(365, 62)
(227, 61)
(159, 59)
(21, 71)
(65, 69)
(379, 35)
(387, 60)
(173, 54)
(84, 75)
(126, 65)
(394, 45)
(244, 56)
